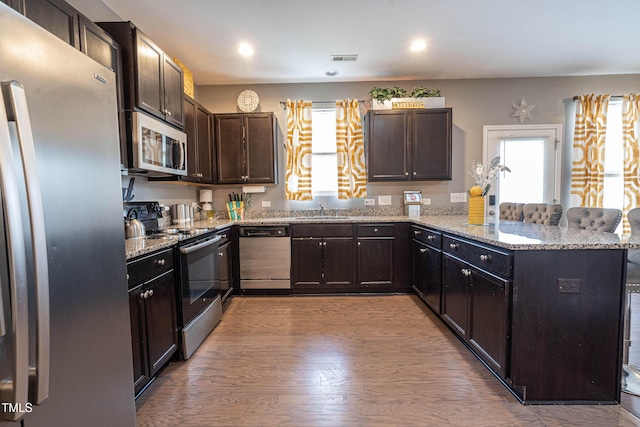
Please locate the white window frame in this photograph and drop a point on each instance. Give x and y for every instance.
(492, 134)
(325, 192)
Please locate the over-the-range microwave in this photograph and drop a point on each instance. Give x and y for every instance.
(158, 147)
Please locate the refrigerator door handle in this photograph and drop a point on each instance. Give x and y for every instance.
(18, 111)
(14, 390)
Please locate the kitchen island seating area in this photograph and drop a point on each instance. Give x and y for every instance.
(596, 219)
(533, 213)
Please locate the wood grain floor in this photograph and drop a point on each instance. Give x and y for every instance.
(342, 361)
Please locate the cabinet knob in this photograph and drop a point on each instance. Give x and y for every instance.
(484, 257)
(406, 174)
(168, 113)
(375, 230)
(466, 272)
(160, 261)
(430, 237)
(414, 174)
(416, 232)
(453, 245)
(359, 243)
(423, 250)
(150, 292)
(324, 243)
(220, 254)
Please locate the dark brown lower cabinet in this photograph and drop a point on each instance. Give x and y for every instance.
(427, 273)
(375, 256)
(153, 311)
(322, 264)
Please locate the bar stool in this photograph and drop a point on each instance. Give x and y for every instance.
(511, 211)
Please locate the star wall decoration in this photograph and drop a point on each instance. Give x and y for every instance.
(523, 111)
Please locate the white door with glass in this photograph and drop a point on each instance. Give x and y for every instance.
(533, 153)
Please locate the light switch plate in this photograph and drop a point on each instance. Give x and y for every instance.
(266, 203)
(458, 197)
(384, 200)
(369, 202)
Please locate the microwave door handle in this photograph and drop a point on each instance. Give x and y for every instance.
(183, 155)
(17, 110)
(16, 389)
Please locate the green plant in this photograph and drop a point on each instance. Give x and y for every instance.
(385, 94)
(423, 92)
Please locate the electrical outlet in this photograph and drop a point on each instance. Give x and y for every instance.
(458, 197)
(426, 201)
(568, 286)
(266, 203)
(369, 202)
(384, 200)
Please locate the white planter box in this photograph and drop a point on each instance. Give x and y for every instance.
(397, 103)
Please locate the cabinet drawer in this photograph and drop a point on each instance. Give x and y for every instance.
(148, 267)
(225, 236)
(321, 230)
(485, 257)
(375, 230)
(428, 236)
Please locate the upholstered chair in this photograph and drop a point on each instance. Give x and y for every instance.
(542, 213)
(511, 211)
(596, 219)
(634, 221)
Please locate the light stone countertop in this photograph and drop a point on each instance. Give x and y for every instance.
(511, 235)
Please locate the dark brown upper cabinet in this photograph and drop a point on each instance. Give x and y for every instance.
(246, 148)
(405, 145)
(197, 126)
(152, 81)
(18, 5)
(55, 16)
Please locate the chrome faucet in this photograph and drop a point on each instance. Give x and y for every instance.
(321, 210)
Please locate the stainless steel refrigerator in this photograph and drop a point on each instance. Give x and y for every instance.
(65, 343)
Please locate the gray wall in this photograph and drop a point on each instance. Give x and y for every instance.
(475, 103)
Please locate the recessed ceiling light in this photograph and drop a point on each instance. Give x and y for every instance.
(245, 50)
(331, 73)
(418, 45)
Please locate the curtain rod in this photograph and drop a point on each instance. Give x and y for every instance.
(575, 98)
(319, 102)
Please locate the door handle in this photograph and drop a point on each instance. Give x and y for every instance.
(15, 389)
(38, 374)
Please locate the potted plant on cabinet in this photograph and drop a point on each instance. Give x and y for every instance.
(396, 97)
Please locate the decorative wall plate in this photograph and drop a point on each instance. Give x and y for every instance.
(248, 101)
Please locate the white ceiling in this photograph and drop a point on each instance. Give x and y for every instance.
(293, 39)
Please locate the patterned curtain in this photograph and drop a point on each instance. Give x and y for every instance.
(298, 173)
(587, 174)
(352, 172)
(630, 125)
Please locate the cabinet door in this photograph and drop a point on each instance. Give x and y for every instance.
(455, 294)
(488, 319)
(337, 256)
(375, 263)
(138, 341)
(419, 254)
(162, 323)
(229, 148)
(260, 147)
(306, 263)
(17, 5)
(432, 277)
(149, 63)
(205, 144)
(387, 146)
(55, 16)
(432, 144)
(173, 90)
(190, 128)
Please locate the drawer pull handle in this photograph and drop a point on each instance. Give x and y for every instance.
(160, 261)
(453, 245)
(416, 232)
(375, 230)
(423, 250)
(484, 257)
(431, 237)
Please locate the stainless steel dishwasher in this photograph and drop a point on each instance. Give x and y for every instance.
(265, 257)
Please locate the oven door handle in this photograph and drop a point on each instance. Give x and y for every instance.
(198, 246)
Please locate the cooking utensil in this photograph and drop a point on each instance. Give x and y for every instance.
(134, 229)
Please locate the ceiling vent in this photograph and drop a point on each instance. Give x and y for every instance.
(344, 58)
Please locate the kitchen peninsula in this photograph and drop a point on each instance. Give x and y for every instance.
(540, 306)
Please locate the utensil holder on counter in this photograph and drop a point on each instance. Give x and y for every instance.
(235, 210)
